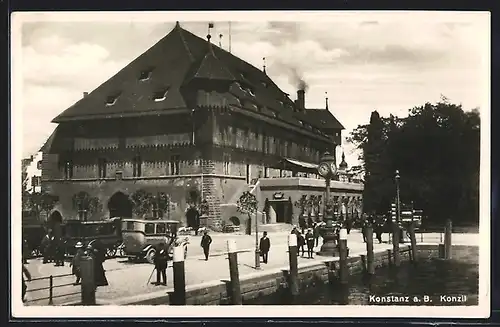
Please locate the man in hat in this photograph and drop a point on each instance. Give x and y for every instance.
(96, 252)
(161, 263)
(309, 239)
(206, 240)
(264, 246)
(75, 263)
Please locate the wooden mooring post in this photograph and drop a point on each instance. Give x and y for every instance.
(179, 296)
(294, 271)
(370, 268)
(413, 241)
(235, 287)
(447, 239)
(88, 287)
(344, 270)
(395, 244)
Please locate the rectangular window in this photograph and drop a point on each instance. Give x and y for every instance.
(68, 169)
(149, 229)
(161, 229)
(137, 166)
(101, 164)
(175, 161)
(227, 164)
(266, 172)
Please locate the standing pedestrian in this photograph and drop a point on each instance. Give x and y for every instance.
(206, 240)
(75, 263)
(379, 226)
(96, 251)
(310, 243)
(264, 246)
(46, 247)
(26, 273)
(58, 251)
(161, 262)
(300, 242)
(316, 233)
(302, 223)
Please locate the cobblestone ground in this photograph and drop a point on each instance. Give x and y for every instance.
(131, 279)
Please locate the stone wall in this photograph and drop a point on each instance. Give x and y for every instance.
(216, 293)
(271, 282)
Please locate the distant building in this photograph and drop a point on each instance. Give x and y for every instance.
(189, 119)
(32, 173)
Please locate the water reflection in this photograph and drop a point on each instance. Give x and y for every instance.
(432, 278)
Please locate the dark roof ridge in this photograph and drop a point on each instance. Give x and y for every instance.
(181, 31)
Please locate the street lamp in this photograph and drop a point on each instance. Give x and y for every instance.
(398, 208)
(327, 169)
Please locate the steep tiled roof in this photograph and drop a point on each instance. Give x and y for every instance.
(48, 144)
(323, 118)
(166, 71)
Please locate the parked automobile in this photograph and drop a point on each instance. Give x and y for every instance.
(141, 237)
(107, 232)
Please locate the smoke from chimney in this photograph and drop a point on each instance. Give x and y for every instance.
(297, 79)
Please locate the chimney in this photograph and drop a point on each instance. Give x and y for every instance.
(301, 99)
(85, 94)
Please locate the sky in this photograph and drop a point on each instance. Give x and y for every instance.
(389, 62)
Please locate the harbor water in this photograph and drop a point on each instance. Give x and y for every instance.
(429, 282)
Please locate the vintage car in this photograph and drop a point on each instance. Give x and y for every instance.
(142, 236)
(107, 232)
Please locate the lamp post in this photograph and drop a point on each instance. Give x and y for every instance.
(327, 168)
(398, 206)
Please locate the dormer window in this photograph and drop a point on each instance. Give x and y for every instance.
(111, 100)
(281, 103)
(301, 123)
(264, 84)
(160, 95)
(145, 75)
(243, 75)
(274, 113)
(323, 121)
(250, 91)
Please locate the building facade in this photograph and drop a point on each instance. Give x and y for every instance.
(187, 121)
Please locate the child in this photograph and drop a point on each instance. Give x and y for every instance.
(75, 264)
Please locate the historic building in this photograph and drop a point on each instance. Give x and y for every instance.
(188, 120)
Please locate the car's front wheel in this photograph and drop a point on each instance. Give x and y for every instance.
(150, 255)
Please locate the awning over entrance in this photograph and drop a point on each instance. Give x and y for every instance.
(300, 166)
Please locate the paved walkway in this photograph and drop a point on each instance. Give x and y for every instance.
(131, 279)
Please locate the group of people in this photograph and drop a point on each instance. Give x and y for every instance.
(310, 239)
(53, 249)
(93, 250)
(96, 251)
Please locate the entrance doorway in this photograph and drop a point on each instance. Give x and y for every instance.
(280, 212)
(119, 205)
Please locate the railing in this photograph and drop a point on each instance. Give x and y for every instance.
(50, 288)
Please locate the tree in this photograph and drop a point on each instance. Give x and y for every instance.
(248, 204)
(37, 203)
(436, 150)
(86, 205)
(142, 202)
(160, 204)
